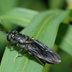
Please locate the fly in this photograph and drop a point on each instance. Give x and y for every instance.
(34, 47)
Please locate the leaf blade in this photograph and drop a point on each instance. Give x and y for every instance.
(18, 16)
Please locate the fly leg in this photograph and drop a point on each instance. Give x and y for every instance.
(21, 51)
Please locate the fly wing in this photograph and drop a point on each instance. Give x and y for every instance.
(44, 53)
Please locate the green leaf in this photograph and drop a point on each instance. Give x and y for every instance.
(37, 5)
(58, 4)
(18, 16)
(20, 64)
(6, 5)
(3, 40)
(65, 65)
(43, 27)
(66, 39)
(3, 43)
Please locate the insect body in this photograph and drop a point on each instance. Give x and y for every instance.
(34, 47)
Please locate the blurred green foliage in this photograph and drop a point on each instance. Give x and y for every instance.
(46, 20)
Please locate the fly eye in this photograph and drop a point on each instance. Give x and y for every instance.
(12, 36)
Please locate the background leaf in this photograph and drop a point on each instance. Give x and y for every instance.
(65, 65)
(3, 43)
(65, 38)
(17, 16)
(58, 4)
(6, 5)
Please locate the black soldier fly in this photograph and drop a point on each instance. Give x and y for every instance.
(33, 47)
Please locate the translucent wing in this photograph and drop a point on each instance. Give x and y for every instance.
(44, 53)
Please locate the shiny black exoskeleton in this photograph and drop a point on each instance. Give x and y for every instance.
(33, 47)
